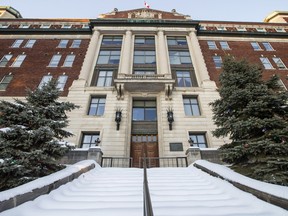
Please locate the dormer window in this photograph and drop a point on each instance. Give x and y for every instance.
(241, 29)
(24, 26)
(221, 28)
(260, 29)
(66, 26)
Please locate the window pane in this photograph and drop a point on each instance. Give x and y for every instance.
(18, 61)
(138, 114)
(5, 60)
(55, 61)
(30, 43)
(17, 43)
(63, 43)
(76, 44)
(150, 114)
(69, 61)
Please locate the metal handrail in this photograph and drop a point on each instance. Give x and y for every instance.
(148, 210)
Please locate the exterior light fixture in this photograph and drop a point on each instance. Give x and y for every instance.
(170, 117)
(97, 141)
(191, 142)
(118, 116)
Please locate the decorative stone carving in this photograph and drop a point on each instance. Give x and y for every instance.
(144, 14)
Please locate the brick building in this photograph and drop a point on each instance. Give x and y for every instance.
(141, 63)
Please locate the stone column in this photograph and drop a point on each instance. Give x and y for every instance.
(162, 52)
(198, 62)
(193, 154)
(90, 58)
(126, 54)
(95, 153)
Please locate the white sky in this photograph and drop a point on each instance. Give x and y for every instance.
(221, 10)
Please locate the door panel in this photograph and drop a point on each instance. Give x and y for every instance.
(144, 145)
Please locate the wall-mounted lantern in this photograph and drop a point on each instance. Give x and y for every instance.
(118, 116)
(170, 117)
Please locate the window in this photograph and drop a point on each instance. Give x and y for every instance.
(63, 43)
(18, 61)
(267, 46)
(45, 26)
(5, 59)
(109, 57)
(144, 110)
(61, 82)
(191, 106)
(85, 26)
(24, 26)
(281, 84)
(217, 61)
(280, 30)
(211, 45)
(198, 139)
(221, 28)
(105, 78)
(144, 57)
(260, 29)
(224, 45)
(4, 25)
(183, 79)
(76, 44)
(147, 40)
(30, 43)
(176, 41)
(144, 72)
(112, 40)
(17, 43)
(255, 46)
(45, 80)
(69, 60)
(90, 139)
(66, 26)
(55, 60)
(97, 106)
(179, 57)
(5, 82)
(241, 29)
(266, 63)
(279, 63)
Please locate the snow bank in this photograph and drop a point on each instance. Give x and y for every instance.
(46, 180)
(225, 172)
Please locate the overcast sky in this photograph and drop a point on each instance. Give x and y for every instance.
(226, 10)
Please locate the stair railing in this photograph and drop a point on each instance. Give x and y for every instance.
(148, 210)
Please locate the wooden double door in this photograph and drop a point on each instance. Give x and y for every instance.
(144, 146)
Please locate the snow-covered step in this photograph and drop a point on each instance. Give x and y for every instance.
(119, 191)
(189, 192)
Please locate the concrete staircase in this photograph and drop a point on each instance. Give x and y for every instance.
(119, 191)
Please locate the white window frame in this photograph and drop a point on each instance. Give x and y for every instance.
(25, 26)
(45, 79)
(243, 29)
(69, 60)
(76, 43)
(55, 60)
(30, 43)
(5, 59)
(279, 63)
(221, 28)
(217, 61)
(280, 30)
(256, 46)
(212, 45)
(19, 60)
(61, 81)
(267, 46)
(63, 43)
(45, 26)
(5, 82)
(260, 29)
(4, 25)
(17, 43)
(266, 63)
(224, 45)
(66, 26)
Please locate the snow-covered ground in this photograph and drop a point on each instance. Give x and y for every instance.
(174, 192)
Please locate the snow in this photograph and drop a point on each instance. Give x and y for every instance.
(41, 182)
(276, 190)
(174, 192)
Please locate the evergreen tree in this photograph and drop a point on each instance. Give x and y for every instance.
(253, 113)
(29, 145)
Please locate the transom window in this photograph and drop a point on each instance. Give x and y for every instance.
(217, 61)
(18, 61)
(179, 57)
(198, 139)
(105, 78)
(144, 110)
(279, 63)
(5, 82)
(109, 57)
(144, 72)
(17, 43)
(147, 40)
(5, 59)
(183, 79)
(266, 63)
(144, 57)
(63, 43)
(69, 60)
(61, 81)
(97, 106)
(30, 43)
(112, 40)
(90, 139)
(55, 60)
(76, 43)
(191, 106)
(211, 45)
(176, 41)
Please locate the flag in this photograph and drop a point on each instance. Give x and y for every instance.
(146, 5)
